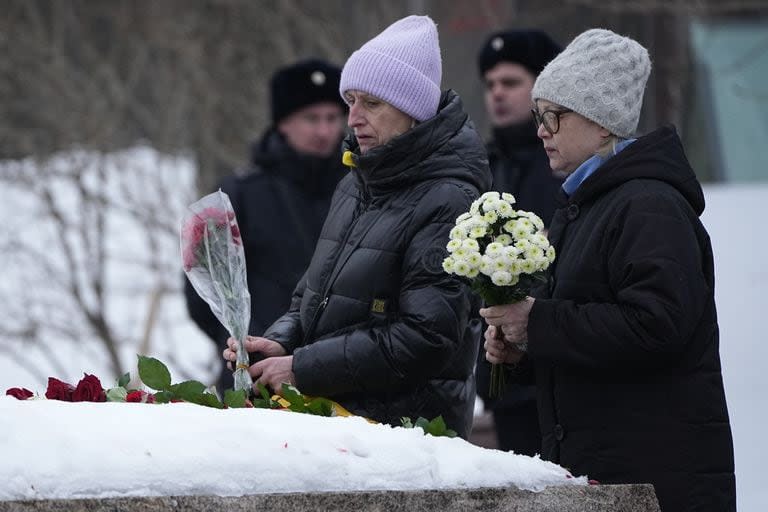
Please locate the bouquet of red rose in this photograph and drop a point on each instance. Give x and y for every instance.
(214, 261)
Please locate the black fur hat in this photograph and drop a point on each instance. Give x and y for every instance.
(304, 83)
(532, 49)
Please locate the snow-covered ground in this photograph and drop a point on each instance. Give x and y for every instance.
(55, 449)
(34, 321)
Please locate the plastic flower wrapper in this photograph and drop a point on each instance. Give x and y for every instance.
(502, 253)
(214, 261)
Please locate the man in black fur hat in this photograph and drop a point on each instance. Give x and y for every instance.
(281, 199)
(509, 63)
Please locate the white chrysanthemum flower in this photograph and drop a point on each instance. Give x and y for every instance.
(488, 205)
(458, 233)
(490, 217)
(495, 196)
(474, 259)
(464, 216)
(535, 219)
(473, 272)
(508, 197)
(486, 266)
(474, 221)
(539, 240)
(454, 244)
(515, 267)
(511, 252)
(520, 232)
(466, 226)
(509, 226)
(551, 254)
(501, 278)
(526, 223)
(504, 239)
(474, 208)
(460, 252)
(461, 268)
(448, 265)
(505, 209)
(534, 252)
(527, 266)
(478, 232)
(470, 244)
(494, 249)
(522, 244)
(500, 264)
(542, 263)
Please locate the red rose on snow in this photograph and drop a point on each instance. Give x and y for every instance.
(89, 390)
(19, 393)
(139, 396)
(59, 390)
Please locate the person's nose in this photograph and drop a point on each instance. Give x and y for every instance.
(497, 91)
(542, 132)
(355, 118)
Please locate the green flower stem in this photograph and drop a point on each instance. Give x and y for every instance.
(242, 378)
(223, 280)
(498, 378)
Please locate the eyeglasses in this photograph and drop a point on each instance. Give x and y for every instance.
(549, 118)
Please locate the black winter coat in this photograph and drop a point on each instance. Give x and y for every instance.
(280, 203)
(376, 324)
(626, 350)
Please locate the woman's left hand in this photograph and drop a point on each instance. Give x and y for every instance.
(272, 372)
(511, 318)
(498, 351)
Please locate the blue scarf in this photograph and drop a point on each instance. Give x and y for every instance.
(586, 169)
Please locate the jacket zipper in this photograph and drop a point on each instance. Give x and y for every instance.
(326, 288)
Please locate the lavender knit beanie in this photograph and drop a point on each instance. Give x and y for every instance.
(401, 66)
(602, 76)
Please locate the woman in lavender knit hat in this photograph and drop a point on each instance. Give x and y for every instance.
(624, 342)
(375, 323)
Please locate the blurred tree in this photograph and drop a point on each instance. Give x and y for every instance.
(184, 76)
(192, 76)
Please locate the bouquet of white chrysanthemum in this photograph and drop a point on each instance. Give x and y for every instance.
(501, 252)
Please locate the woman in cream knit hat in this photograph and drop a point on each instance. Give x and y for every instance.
(375, 323)
(624, 341)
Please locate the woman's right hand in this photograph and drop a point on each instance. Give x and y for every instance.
(497, 351)
(264, 346)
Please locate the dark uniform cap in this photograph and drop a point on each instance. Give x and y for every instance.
(302, 84)
(532, 49)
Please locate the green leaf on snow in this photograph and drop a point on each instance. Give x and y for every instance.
(234, 399)
(117, 394)
(154, 373)
(124, 380)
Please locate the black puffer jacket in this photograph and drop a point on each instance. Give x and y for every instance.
(376, 324)
(626, 349)
(281, 203)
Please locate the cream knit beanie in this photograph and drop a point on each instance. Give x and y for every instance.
(602, 76)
